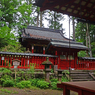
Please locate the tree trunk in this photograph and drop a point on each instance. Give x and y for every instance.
(89, 39)
(73, 28)
(40, 19)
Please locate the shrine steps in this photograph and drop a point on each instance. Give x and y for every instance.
(81, 75)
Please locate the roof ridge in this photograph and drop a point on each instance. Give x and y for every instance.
(43, 29)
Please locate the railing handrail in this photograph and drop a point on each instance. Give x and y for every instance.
(28, 54)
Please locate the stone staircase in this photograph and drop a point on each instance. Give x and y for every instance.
(80, 75)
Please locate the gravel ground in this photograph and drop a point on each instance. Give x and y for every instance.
(17, 91)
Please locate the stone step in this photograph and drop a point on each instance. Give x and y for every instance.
(82, 80)
(79, 77)
(78, 72)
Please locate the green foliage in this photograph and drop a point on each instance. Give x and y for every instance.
(6, 79)
(24, 15)
(5, 70)
(18, 79)
(31, 70)
(19, 85)
(54, 80)
(8, 41)
(53, 85)
(93, 48)
(8, 83)
(80, 34)
(14, 15)
(6, 36)
(66, 72)
(42, 84)
(64, 79)
(34, 81)
(13, 48)
(52, 71)
(82, 54)
(24, 84)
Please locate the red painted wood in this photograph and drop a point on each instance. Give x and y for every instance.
(55, 52)
(24, 61)
(62, 64)
(83, 88)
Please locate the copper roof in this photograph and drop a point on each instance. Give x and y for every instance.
(42, 33)
(66, 44)
(84, 9)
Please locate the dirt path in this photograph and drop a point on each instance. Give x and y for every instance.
(17, 91)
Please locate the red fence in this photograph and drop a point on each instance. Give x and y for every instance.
(79, 64)
(86, 64)
(26, 61)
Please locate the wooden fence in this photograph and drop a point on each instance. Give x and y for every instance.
(32, 59)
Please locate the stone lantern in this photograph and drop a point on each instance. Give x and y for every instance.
(47, 69)
(59, 74)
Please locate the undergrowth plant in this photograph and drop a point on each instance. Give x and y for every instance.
(5, 71)
(24, 84)
(42, 84)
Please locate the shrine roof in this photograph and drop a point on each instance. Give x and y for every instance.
(82, 9)
(86, 58)
(55, 37)
(67, 44)
(42, 33)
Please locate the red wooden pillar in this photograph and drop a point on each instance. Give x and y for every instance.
(32, 49)
(66, 91)
(11, 60)
(55, 52)
(29, 60)
(76, 61)
(43, 50)
(8, 59)
(24, 61)
(21, 60)
(5, 58)
(2, 60)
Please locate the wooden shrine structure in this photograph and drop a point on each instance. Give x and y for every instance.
(43, 42)
(83, 10)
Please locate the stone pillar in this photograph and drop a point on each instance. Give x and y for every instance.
(43, 50)
(32, 49)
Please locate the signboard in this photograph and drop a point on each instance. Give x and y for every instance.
(16, 63)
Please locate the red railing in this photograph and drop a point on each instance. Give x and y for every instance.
(86, 64)
(26, 61)
(79, 64)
